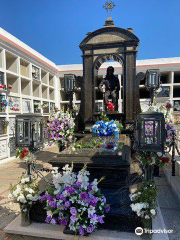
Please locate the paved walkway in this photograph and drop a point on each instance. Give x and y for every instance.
(170, 207)
(10, 171)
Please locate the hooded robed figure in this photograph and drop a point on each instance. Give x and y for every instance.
(110, 87)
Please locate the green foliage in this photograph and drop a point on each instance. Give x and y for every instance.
(103, 117)
(93, 143)
(119, 126)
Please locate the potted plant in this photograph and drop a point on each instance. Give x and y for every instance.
(5, 125)
(75, 202)
(24, 192)
(144, 202)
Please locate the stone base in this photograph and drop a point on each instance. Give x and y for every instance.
(44, 230)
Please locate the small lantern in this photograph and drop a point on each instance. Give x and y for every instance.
(152, 79)
(69, 82)
(29, 131)
(151, 132)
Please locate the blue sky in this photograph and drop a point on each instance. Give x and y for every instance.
(55, 28)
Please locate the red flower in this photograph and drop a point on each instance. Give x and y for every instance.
(110, 106)
(22, 155)
(110, 146)
(2, 86)
(9, 86)
(25, 152)
(165, 159)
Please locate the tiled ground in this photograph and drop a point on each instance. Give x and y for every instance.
(9, 173)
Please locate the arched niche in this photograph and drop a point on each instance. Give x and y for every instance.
(109, 43)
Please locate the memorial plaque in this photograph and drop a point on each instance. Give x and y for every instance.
(26, 104)
(14, 104)
(3, 149)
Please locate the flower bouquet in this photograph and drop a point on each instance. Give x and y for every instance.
(102, 128)
(60, 129)
(74, 202)
(25, 192)
(5, 125)
(144, 202)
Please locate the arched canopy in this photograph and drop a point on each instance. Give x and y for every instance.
(104, 58)
(109, 36)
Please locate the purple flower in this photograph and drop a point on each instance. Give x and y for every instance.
(73, 211)
(57, 135)
(60, 216)
(50, 198)
(81, 231)
(107, 209)
(100, 220)
(90, 188)
(52, 204)
(48, 219)
(73, 218)
(53, 221)
(58, 196)
(90, 229)
(61, 197)
(67, 204)
(70, 190)
(64, 222)
(83, 196)
(103, 199)
(69, 124)
(78, 184)
(44, 197)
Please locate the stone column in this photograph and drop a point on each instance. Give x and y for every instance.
(130, 89)
(87, 90)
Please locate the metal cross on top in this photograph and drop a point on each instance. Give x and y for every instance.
(109, 5)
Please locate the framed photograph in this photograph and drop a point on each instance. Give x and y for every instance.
(12, 125)
(52, 106)
(37, 106)
(14, 105)
(45, 107)
(176, 105)
(165, 92)
(26, 105)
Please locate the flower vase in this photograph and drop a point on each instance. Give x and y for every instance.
(148, 172)
(61, 147)
(5, 131)
(147, 226)
(25, 216)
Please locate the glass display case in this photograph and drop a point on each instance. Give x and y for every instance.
(29, 131)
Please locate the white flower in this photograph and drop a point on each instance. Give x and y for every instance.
(31, 190)
(153, 212)
(21, 199)
(30, 197)
(65, 193)
(71, 226)
(49, 213)
(10, 195)
(147, 217)
(91, 210)
(94, 220)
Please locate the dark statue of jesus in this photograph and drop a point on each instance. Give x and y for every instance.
(109, 86)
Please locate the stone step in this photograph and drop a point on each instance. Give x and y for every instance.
(47, 231)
